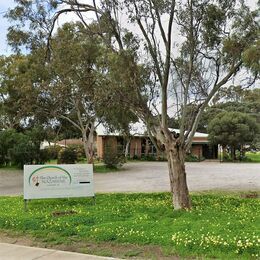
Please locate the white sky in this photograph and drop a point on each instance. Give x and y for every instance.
(4, 24)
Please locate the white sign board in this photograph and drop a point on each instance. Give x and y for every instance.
(58, 181)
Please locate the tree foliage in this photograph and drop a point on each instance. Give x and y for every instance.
(232, 99)
(19, 148)
(234, 129)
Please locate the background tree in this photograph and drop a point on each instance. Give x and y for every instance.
(233, 129)
(19, 148)
(74, 77)
(16, 91)
(217, 37)
(232, 99)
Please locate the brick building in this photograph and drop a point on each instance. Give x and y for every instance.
(141, 145)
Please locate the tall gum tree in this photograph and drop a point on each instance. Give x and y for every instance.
(192, 48)
(74, 77)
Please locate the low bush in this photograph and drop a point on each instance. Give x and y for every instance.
(7, 142)
(113, 157)
(191, 158)
(53, 151)
(18, 148)
(149, 157)
(43, 156)
(162, 159)
(136, 157)
(79, 149)
(67, 155)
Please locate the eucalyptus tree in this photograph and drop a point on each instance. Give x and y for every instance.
(191, 49)
(18, 91)
(71, 90)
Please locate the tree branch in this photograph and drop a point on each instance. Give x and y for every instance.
(214, 90)
(71, 121)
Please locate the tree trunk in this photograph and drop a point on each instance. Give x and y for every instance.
(233, 153)
(85, 143)
(88, 143)
(177, 174)
(127, 147)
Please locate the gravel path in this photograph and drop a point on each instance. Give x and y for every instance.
(153, 176)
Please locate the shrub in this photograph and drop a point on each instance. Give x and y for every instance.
(113, 157)
(20, 148)
(246, 159)
(227, 157)
(53, 151)
(7, 142)
(43, 156)
(79, 148)
(23, 152)
(191, 158)
(135, 157)
(67, 155)
(148, 158)
(162, 159)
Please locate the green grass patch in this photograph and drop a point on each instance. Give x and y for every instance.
(222, 226)
(10, 167)
(97, 168)
(52, 161)
(101, 168)
(253, 157)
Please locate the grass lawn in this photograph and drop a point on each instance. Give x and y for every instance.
(98, 168)
(101, 168)
(254, 157)
(219, 225)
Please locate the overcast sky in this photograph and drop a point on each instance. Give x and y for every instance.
(6, 4)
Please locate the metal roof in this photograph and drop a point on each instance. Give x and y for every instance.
(139, 129)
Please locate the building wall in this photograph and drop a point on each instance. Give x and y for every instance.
(67, 142)
(110, 142)
(196, 149)
(100, 146)
(103, 142)
(200, 139)
(135, 147)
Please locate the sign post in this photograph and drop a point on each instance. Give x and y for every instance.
(58, 181)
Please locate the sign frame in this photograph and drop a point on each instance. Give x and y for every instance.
(58, 181)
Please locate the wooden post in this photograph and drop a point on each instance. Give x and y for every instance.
(25, 205)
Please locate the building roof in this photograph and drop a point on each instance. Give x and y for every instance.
(139, 129)
(197, 134)
(46, 144)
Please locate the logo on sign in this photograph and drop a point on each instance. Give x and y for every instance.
(49, 176)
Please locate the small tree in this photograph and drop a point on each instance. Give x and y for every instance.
(113, 157)
(232, 129)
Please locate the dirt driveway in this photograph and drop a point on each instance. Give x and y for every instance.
(153, 176)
